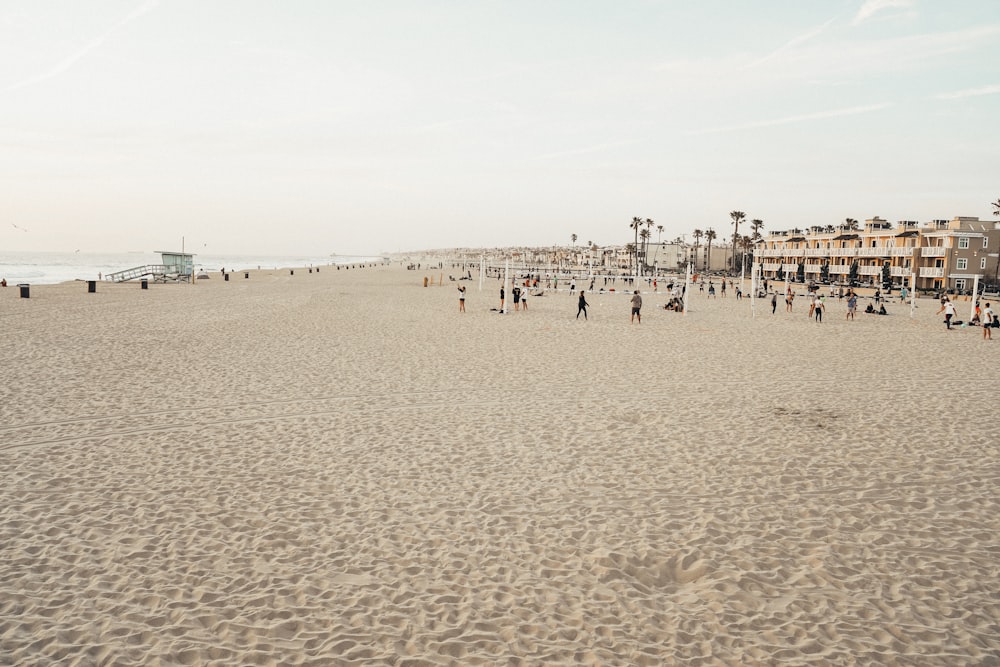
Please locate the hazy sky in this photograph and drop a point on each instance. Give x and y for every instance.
(359, 127)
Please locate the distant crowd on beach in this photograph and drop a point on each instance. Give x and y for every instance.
(535, 285)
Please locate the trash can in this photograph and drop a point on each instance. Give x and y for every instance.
(91, 286)
(246, 275)
(227, 277)
(25, 290)
(145, 283)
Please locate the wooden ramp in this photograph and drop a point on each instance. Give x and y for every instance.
(160, 272)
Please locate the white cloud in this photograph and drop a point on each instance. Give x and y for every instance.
(969, 92)
(93, 44)
(792, 43)
(873, 7)
(832, 113)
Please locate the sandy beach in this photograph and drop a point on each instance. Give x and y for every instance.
(339, 468)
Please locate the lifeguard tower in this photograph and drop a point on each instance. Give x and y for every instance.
(173, 267)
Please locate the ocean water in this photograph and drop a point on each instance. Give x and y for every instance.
(48, 268)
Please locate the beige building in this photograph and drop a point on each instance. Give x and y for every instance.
(944, 254)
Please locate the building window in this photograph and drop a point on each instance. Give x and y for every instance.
(962, 264)
(986, 241)
(960, 285)
(982, 263)
(963, 243)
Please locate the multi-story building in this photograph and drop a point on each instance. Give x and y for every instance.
(944, 254)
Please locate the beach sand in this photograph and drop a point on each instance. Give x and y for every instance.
(339, 468)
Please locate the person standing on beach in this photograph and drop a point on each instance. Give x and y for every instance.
(636, 307)
(461, 298)
(789, 297)
(989, 317)
(774, 302)
(582, 306)
(852, 304)
(723, 288)
(502, 293)
(949, 312)
(818, 306)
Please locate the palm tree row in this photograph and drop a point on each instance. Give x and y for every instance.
(637, 249)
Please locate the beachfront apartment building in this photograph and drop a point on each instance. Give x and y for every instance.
(942, 254)
(674, 257)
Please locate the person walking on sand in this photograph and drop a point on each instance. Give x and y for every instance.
(636, 307)
(989, 317)
(818, 305)
(461, 298)
(582, 306)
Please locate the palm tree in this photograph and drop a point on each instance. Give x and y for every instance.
(644, 235)
(630, 249)
(738, 217)
(574, 237)
(851, 224)
(697, 234)
(635, 224)
(645, 250)
(829, 229)
(746, 245)
(755, 226)
(709, 236)
(659, 232)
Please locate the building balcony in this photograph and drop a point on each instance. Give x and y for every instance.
(878, 251)
(843, 252)
(933, 252)
(932, 272)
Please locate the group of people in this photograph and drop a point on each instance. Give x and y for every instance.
(636, 306)
(984, 317)
(817, 305)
